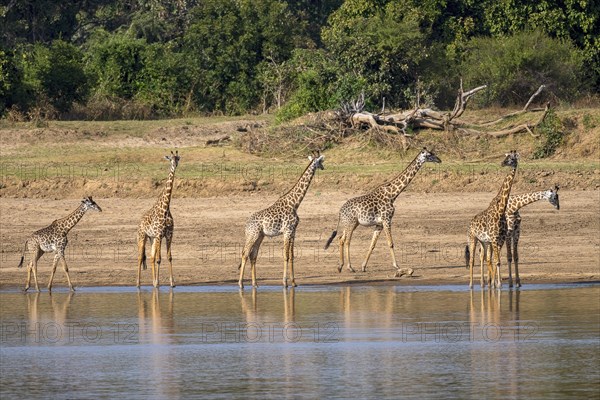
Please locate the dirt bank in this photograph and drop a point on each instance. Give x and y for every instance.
(429, 231)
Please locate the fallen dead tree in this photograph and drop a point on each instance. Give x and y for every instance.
(353, 115)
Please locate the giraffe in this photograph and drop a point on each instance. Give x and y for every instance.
(513, 225)
(53, 238)
(156, 224)
(376, 208)
(489, 226)
(280, 218)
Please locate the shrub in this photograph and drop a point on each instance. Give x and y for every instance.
(552, 135)
(514, 67)
(114, 62)
(63, 79)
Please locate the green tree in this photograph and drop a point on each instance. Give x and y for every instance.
(63, 78)
(115, 63)
(515, 66)
(227, 41)
(575, 20)
(381, 44)
(163, 83)
(11, 82)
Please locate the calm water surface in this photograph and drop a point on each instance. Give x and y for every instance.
(542, 341)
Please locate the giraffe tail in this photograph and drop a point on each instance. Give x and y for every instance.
(22, 256)
(330, 240)
(467, 256)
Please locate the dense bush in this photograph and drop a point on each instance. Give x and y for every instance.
(163, 58)
(515, 66)
(115, 63)
(551, 131)
(11, 82)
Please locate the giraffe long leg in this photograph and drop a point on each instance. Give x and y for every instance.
(342, 242)
(509, 257)
(253, 257)
(28, 282)
(35, 259)
(347, 239)
(66, 269)
(54, 265)
(156, 242)
(141, 241)
(291, 262)
(286, 258)
(517, 233)
(491, 273)
(482, 258)
(34, 254)
(388, 233)
(473, 247)
(169, 240)
(497, 273)
(250, 241)
(376, 234)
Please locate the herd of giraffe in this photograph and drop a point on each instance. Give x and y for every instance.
(496, 225)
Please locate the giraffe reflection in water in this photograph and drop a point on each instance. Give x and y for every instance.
(49, 324)
(250, 307)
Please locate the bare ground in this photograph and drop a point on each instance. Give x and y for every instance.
(429, 230)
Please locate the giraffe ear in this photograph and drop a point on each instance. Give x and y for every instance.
(310, 158)
(167, 158)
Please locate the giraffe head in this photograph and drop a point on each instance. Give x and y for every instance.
(317, 159)
(89, 204)
(174, 159)
(552, 196)
(511, 159)
(428, 156)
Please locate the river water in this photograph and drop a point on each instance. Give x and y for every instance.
(542, 341)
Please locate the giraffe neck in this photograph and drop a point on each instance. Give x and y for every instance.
(296, 194)
(67, 223)
(165, 198)
(501, 200)
(515, 202)
(396, 186)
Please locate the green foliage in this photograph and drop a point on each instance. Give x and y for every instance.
(515, 66)
(236, 56)
(228, 40)
(589, 122)
(376, 43)
(115, 62)
(551, 131)
(11, 78)
(574, 20)
(54, 74)
(63, 78)
(164, 82)
(316, 85)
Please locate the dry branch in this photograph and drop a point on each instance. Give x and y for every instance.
(352, 116)
(522, 111)
(218, 141)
